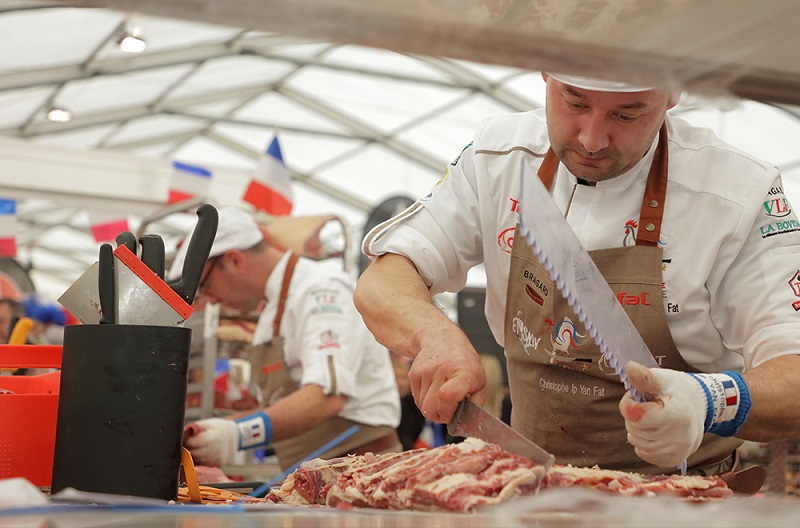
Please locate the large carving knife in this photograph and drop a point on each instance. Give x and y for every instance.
(554, 242)
(572, 269)
(472, 420)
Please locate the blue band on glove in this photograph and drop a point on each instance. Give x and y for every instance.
(709, 400)
(255, 430)
(731, 427)
(728, 400)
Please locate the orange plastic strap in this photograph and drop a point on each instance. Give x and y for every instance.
(194, 492)
(191, 476)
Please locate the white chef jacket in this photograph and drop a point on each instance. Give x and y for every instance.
(326, 342)
(731, 242)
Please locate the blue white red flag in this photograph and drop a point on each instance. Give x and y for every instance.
(270, 189)
(106, 225)
(8, 228)
(188, 181)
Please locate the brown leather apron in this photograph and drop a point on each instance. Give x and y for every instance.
(565, 394)
(275, 382)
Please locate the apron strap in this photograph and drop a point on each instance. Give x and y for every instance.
(547, 170)
(654, 193)
(287, 277)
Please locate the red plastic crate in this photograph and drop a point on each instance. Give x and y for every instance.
(29, 415)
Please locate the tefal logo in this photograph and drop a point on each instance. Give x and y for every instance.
(632, 298)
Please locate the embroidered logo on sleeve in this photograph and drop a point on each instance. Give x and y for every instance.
(794, 282)
(776, 204)
(505, 240)
(777, 212)
(328, 339)
(325, 302)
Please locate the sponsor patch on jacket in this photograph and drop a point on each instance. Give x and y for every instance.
(629, 233)
(535, 287)
(328, 339)
(777, 205)
(777, 215)
(505, 240)
(794, 282)
(325, 302)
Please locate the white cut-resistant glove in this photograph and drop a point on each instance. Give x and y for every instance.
(217, 440)
(215, 443)
(684, 406)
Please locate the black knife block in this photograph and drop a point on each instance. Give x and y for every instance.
(121, 409)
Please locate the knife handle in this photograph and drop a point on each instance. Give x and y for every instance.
(105, 285)
(153, 253)
(452, 426)
(128, 239)
(197, 252)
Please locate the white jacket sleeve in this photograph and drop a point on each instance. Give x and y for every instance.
(441, 232)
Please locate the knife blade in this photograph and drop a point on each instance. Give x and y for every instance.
(472, 420)
(577, 277)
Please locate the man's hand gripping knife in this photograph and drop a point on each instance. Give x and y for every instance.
(682, 407)
(217, 440)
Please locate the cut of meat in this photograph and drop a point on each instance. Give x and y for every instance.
(463, 477)
(455, 477)
(210, 475)
(306, 484)
(635, 484)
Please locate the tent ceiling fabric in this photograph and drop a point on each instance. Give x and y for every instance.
(745, 46)
(357, 123)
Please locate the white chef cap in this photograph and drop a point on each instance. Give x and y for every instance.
(237, 229)
(598, 85)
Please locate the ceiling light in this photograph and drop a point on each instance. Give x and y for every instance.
(132, 43)
(59, 115)
(131, 40)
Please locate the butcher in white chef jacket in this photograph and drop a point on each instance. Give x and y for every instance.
(696, 238)
(329, 386)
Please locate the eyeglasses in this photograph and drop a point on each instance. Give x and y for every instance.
(202, 284)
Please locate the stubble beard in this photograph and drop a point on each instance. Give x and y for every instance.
(589, 173)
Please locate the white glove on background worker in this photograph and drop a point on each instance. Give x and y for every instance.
(217, 440)
(684, 406)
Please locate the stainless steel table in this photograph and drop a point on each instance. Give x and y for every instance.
(565, 508)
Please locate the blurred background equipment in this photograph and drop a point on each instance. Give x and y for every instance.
(382, 212)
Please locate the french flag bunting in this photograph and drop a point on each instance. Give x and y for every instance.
(188, 181)
(270, 189)
(8, 228)
(106, 225)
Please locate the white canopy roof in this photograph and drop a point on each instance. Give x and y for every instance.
(357, 124)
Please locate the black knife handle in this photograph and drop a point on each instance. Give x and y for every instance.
(153, 253)
(105, 284)
(197, 252)
(127, 239)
